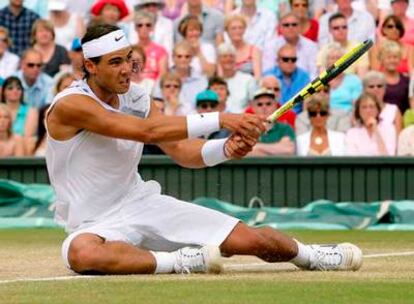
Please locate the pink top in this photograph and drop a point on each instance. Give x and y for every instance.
(388, 114)
(359, 143)
(154, 53)
(409, 33)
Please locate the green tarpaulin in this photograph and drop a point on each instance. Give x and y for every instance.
(32, 206)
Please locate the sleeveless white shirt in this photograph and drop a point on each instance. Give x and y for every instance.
(91, 173)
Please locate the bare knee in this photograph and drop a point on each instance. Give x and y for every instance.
(83, 255)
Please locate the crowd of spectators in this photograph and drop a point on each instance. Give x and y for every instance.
(237, 56)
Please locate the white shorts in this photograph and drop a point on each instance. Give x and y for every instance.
(159, 223)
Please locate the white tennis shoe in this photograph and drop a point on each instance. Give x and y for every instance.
(344, 256)
(206, 259)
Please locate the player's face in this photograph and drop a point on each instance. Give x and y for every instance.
(113, 72)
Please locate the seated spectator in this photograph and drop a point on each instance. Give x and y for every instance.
(205, 57)
(292, 78)
(163, 33)
(76, 59)
(308, 27)
(10, 144)
(261, 23)
(338, 28)
(212, 20)
(248, 56)
(170, 84)
(219, 85)
(24, 118)
(36, 84)
(173, 9)
(9, 62)
(397, 88)
(406, 142)
(320, 141)
(108, 11)
(139, 57)
(67, 25)
(55, 57)
(241, 85)
(370, 137)
(345, 88)
(156, 63)
(392, 29)
(306, 49)
(375, 83)
(279, 138)
(206, 102)
(338, 120)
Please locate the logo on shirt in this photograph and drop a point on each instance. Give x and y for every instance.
(119, 38)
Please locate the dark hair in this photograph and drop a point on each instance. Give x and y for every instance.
(186, 22)
(398, 24)
(8, 81)
(94, 32)
(218, 80)
(362, 98)
(335, 16)
(140, 50)
(41, 129)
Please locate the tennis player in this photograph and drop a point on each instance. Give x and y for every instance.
(118, 223)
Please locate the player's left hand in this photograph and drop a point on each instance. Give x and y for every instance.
(238, 146)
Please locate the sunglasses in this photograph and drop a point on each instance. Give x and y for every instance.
(32, 65)
(262, 104)
(315, 113)
(340, 27)
(11, 87)
(3, 39)
(292, 24)
(179, 56)
(207, 105)
(143, 24)
(274, 89)
(300, 5)
(378, 86)
(390, 26)
(289, 59)
(169, 86)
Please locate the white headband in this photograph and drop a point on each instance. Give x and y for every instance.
(108, 43)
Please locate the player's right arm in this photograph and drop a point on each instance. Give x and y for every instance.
(75, 113)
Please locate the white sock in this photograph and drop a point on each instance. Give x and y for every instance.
(165, 261)
(304, 255)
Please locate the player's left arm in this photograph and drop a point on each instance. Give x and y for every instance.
(188, 153)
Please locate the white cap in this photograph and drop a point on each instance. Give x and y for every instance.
(57, 5)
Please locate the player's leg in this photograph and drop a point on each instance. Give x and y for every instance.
(273, 246)
(90, 253)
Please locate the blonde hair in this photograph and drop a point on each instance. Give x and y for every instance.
(48, 25)
(331, 48)
(389, 47)
(183, 45)
(233, 18)
(5, 109)
(8, 40)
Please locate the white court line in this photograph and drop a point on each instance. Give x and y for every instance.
(227, 267)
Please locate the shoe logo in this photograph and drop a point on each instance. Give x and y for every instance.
(119, 38)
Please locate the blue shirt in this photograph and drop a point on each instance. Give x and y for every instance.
(344, 96)
(36, 95)
(19, 27)
(298, 80)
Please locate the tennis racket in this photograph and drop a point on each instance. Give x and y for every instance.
(323, 79)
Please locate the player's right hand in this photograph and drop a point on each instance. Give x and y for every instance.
(247, 125)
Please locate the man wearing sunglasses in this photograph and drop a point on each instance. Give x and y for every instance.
(292, 78)
(280, 137)
(37, 85)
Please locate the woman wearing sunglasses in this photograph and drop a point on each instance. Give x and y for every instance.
(320, 141)
(392, 29)
(371, 136)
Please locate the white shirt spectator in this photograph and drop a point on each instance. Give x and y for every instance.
(406, 142)
(9, 64)
(385, 5)
(163, 34)
(64, 35)
(209, 53)
(306, 51)
(241, 87)
(361, 26)
(336, 143)
(260, 29)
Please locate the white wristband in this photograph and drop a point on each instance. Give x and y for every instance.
(202, 124)
(212, 152)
